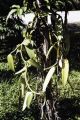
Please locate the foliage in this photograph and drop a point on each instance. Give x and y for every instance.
(5, 6)
(9, 37)
(8, 33)
(41, 41)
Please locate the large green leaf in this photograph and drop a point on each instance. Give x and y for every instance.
(10, 62)
(48, 78)
(31, 53)
(27, 100)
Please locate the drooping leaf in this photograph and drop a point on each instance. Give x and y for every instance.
(60, 63)
(20, 71)
(23, 83)
(26, 42)
(10, 62)
(34, 63)
(15, 6)
(62, 3)
(22, 89)
(31, 53)
(48, 78)
(27, 100)
(65, 71)
(10, 13)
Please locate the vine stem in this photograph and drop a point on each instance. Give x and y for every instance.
(34, 92)
(50, 49)
(50, 66)
(16, 48)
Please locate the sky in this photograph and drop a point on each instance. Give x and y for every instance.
(73, 17)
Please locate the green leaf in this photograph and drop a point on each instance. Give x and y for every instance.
(47, 1)
(31, 53)
(10, 62)
(15, 6)
(26, 42)
(65, 72)
(33, 63)
(62, 3)
(19, 11)
(27, 100)
(10, 13)
(48, 78)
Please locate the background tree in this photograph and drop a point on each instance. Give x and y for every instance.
(8, 34)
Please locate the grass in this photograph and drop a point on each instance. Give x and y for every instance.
(9, 95)
(73, 86)
(10, 103)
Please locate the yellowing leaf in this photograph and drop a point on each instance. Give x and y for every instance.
(65, 71)
(27, 100)
(33, 63)
(31, 53)
(48, 77)
(26, 42)
(10, 62)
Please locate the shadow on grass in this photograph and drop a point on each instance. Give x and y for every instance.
(6, 74)
(69, 108)
(74, 53)
(28, 114)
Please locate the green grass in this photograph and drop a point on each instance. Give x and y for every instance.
(10, 106)
(9, 95)
(72, 87)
